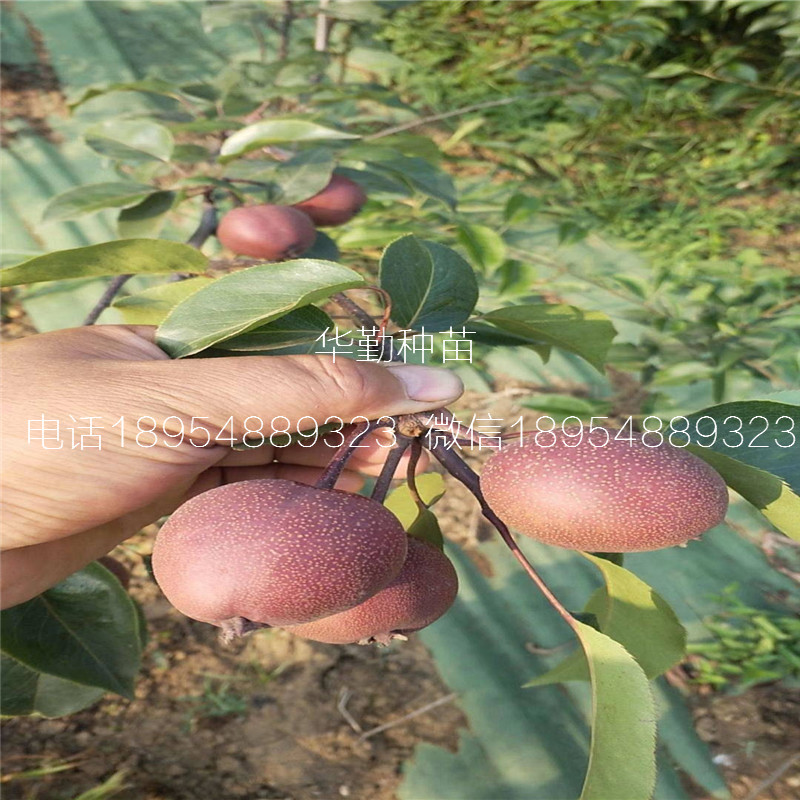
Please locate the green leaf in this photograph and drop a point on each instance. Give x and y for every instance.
(147, 85)
(586, 333)
(631, 613)
(25, 691)
(147, 218)
(430, 284)
(304, 324)
(323, 249)
(767, 492)
(400, 502)
(519, 207)
(483, 245)
(488, 334)
(110, 258)
(299, 178)
(426, 528)
(622, 752)
(565, 405)
(374, 183)
(668, 70)
(419, 175)
(304, 175)
(85, 629)
(277, 131)
(243, 300)
(94, 197)
(417, 521)
(762, 433)
(130, 140)
(151, 306)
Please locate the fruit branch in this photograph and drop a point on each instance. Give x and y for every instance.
(459, 469)
(207, 226)
(107, 298)
(365, 320)
(344, 452)
(389, 468)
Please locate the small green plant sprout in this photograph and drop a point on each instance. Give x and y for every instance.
(750, 646)
(216, 700)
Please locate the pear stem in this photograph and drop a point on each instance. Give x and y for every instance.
(345, 451)
(411, 475)
(389, 467)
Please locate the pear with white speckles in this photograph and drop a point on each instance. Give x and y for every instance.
(276, 552)
(584, 493)
(423, 590)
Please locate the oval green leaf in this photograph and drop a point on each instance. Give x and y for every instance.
(431, 286)
(622, 762)
(94, 197)
(243, 300)
(762, 433)
(130, 140)
(767, 492)
(278, 131)
(147, 86)
(631, 613)
(419, 175)
(484, 246)
(145, 219)
(586, 333)
(85, 629)
(121, 257)
(299, 178)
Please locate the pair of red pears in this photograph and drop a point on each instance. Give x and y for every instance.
(338, 567)
(276, 233)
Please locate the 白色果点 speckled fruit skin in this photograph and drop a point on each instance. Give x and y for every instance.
(422, 591)
(603, 496)
(276, 552)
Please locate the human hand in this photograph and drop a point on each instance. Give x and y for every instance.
(63, 508)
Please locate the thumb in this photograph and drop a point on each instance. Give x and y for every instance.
(305, 390)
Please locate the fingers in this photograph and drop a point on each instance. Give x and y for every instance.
(348, 481)
(368, 456)
(28, 571)
(292, 392)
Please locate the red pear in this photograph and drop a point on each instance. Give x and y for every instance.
(423, 590)
(336, 204)
(276, 552)
(618, 496)
(274, 233)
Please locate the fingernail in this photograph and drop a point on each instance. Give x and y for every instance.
(428, 384)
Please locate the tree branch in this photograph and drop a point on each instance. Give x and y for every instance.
(106, 298)
(456, 112)
(286, 30)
